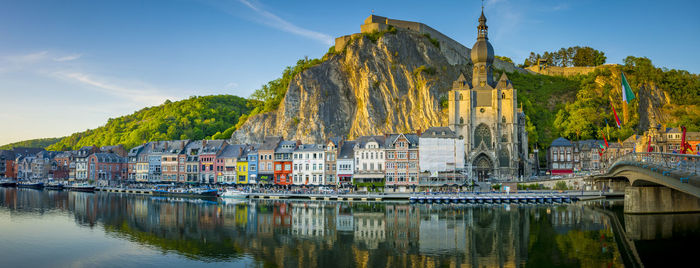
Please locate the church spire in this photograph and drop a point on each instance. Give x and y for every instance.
(482, 28)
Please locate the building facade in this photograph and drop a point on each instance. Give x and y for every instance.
(309, 161)
(440, 150)
(107, 169)
(346, 164)
(333, 146)
(266, 154)
(401, 159)
(484, 113)
(369, 160)
(207, 159)
(283, 162)
(253, 164)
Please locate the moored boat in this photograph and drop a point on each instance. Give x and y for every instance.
(183, 192)
(33, 185)
(81, 187)
(54, 186)
(8, 183)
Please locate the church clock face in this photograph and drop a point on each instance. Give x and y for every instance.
(482, 110)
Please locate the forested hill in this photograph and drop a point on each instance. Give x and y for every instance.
(36, 143)
(194, 118)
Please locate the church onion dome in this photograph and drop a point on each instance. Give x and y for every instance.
(482, 51)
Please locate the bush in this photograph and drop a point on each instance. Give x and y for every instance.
(561, 185)
(427, 69)
(435, 42)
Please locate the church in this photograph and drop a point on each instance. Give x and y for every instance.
(484, 113)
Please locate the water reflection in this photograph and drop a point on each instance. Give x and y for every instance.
(313, 234)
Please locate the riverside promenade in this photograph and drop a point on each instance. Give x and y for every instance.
(431, 197)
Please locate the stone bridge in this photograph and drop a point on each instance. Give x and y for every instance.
(655, 182)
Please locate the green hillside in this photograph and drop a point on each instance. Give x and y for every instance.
(36, 143)
(194, 118)
(577, 107)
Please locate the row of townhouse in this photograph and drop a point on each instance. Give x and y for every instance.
(393, 160)
(38, 164)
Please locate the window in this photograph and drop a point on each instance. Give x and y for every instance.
(287, 167)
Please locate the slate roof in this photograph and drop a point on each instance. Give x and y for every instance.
(362, 141)
(561, 142)
(231, 151)
(270, 143)
(347, 151)
(309, 148)
(212, 146)
(286, 147)
(439, 132)
(391, 139)
(109, 158)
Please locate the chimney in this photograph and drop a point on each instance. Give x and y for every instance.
(204, 143)
(153, 145)
(166, 145)
(418, 132)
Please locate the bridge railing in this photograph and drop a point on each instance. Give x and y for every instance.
(662, 162)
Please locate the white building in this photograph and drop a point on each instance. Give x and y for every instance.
(346, 163)
(369, 159)
(308, 162)
(440, 150)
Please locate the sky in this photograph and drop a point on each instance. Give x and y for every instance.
(67, 66)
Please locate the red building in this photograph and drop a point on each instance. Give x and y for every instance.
(7, 164)
(107, 168)
(283, 162)
(207, 160)
(60, 167)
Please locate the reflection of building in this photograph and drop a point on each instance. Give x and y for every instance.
(440, 233)
(402, 225)
(308, 220)
(370, 228)
(344, 220)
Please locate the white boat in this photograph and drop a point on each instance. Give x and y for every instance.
(229, 193)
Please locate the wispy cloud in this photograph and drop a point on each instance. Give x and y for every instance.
(275, 21)
(68, 57)
(231, 85)
(135, 91)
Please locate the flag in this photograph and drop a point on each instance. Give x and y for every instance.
(627, 94)
(617, 119)
(605, 140)
(607, 127)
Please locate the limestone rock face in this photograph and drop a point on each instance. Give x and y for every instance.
(651, 103)
(390, 85)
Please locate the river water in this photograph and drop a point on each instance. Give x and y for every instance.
(72, 229)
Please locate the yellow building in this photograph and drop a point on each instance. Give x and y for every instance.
(242, 169)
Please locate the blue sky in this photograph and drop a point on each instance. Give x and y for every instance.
(66, 66)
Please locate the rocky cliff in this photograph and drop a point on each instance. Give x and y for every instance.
(386, 84)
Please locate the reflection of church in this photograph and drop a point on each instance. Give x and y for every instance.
(484, 112)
